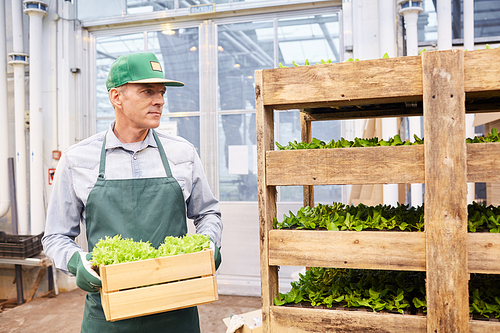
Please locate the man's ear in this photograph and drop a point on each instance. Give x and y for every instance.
(114, 97)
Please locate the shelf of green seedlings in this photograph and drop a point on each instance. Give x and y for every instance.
(329, 89)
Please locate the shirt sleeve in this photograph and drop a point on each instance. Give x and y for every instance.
(202, 207)
(64, 212)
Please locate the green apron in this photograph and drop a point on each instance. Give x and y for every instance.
(147, 209)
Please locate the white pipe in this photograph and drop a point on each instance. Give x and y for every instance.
(415, 127)
(387, 44)
(443, 9)
(4, 137)
(390, 191)
(468, 11)
(468, 24)
(470, 133)
(36, 118)
(411, 18)
(387, 27)
(19, 109)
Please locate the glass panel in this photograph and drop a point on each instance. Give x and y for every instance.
(187, 127)
(237, 158)
(178, 51)
(327, 131)
(486, 20)
(146, 6)
(289, 130)
(108, 49)
(314, 38)
(93, 9)
(243, 48)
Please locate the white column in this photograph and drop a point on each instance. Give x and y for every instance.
(443, 9)
(18, 60)
(36, 11)
(4, 137)
(468, 11)
(410, 11)
(468, 24)
(390, 191)
(387, 27)
(387, 44)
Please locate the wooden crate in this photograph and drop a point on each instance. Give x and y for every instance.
(442, 86)
(151, 286)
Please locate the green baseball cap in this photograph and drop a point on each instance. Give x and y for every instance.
(137, 68)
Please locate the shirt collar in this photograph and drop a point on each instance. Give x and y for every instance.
(112, 141)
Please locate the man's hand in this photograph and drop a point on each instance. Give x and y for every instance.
(217, 255)
(86, 278)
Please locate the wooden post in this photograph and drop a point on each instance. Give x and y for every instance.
(306, 136)
(267, 201)
(445, 191)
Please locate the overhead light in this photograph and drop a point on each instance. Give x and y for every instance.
(250, 77)
(237, 65)
(220, 48)
(168, 32)
(193, 48)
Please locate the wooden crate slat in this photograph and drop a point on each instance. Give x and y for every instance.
(159, 298)
(372, 165)
(159, 270)
(387, 250)
(481, 73)
(348, 249)
(483, 251)
(267, 199)
(479, 326)
(375, 82)
(482, 162)
(445, 191)
(302, 320)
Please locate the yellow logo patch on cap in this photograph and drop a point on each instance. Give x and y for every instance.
(155, 66)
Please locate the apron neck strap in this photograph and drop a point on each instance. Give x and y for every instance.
(162, 154)
(102, 164)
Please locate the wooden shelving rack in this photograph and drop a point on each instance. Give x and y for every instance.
(442, 86)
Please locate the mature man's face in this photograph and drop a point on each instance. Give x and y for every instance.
(141, 105)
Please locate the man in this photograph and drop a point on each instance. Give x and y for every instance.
(132, 181)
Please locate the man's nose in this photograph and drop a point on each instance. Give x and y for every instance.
(158, 99)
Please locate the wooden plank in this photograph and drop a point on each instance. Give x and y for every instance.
(348, 249)
(372, 165)
(375, 82)
(483, 251)
(159, 298)
(481, 73)
(266, 200)
(482, 163)
(306, 136)
(152, 271)
(303, 320)
(478, 326)
(39, 275)
(388, 165)
(373, 250)
(445, 191)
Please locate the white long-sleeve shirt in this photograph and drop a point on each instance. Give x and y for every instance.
(77, 173)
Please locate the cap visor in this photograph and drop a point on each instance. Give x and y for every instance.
(167, 82)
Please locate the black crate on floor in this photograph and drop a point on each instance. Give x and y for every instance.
(20, 246)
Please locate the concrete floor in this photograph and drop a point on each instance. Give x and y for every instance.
(64, 312)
